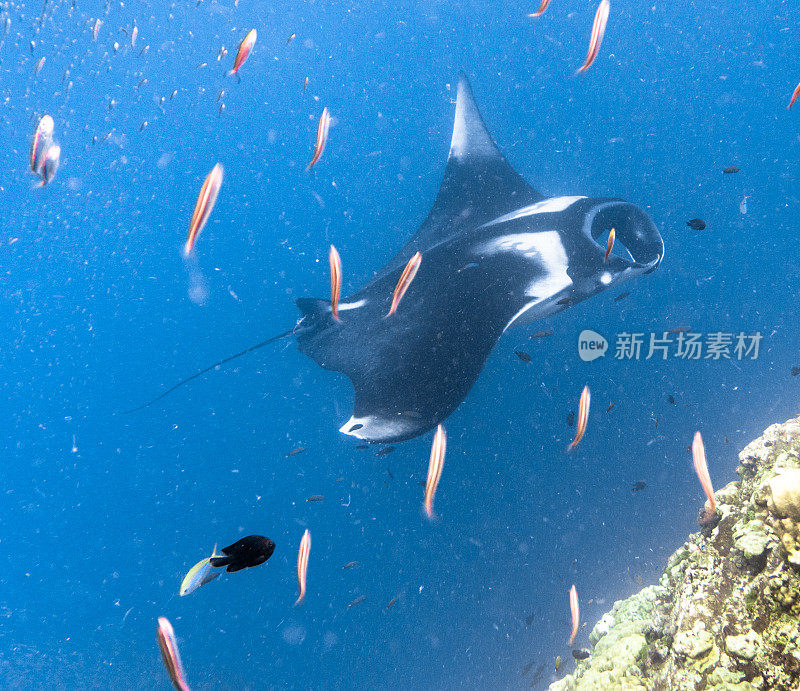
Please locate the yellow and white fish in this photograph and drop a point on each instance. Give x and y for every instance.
(200, 574)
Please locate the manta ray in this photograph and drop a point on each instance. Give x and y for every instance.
(495, 253)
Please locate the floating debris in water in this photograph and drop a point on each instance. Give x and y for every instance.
(696, 224)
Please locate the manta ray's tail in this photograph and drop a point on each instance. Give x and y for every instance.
(210, 367)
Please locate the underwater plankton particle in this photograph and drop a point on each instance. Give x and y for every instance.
(541, 9)
(170, 654)
(302, 565)
(574, 608)
(405, 281)
(322, 137)
(245, 48)
(610, 244)
(701, 468)
(335, 262)
(598, 30)
(41, 142)
(203, 207)
(435, 466)
(583, 417)
(795, 94)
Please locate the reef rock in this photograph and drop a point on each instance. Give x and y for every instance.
(725, 614)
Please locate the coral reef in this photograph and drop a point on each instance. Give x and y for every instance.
(725, 614)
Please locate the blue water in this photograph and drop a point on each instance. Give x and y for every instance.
(101, 514)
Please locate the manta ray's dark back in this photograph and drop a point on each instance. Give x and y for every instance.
(495, 252)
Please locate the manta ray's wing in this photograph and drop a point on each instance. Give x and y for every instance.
(478, 185)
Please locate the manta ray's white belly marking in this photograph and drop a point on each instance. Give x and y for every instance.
(546, 250)
(546, 206)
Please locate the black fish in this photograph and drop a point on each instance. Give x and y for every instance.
(795, 371)
(361, 447)
(522, 355)
(529, 619)
(564, 301)
(296, 451)
(242, 554)
(571, 419)
(315, 497)
(731, 169)
(621, 296)
(384, 451)
(580, 654)
(357, 601)
(638, 486)
(527, 250)
(544, 333)
(696, 224)
(671, 399)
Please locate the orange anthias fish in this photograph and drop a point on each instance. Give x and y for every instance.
(170, 654)
(245, 48)
(574, 608)
(583, 416)
(41, 142)
(795, 94)
(203, 207)
(701, 468)
(405, 281)
(541, 9)
(598, 30)
(335, 262)
(322, 137)
(435, 465)
(610, 244)
(302, 565)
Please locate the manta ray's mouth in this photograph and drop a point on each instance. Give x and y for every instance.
(637, 239)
